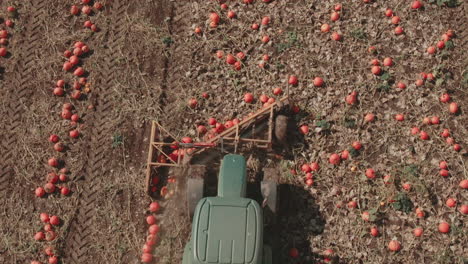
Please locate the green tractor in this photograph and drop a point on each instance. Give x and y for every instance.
(228, 228)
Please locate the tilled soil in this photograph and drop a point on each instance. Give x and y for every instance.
(146, 63)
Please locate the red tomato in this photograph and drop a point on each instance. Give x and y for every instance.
(39, 236)
(444, 227)
(314, 166)
(376, 70)
(265, 21)
(76, 95)
(399, 117)
(248, 97)
(88, 24)
(294, 253)
(352, 204)
(65, 191)
(86, 10)
(399, 30)
(292, 80)
(344, 154)
(335, 16)
(212, 121)
(464, 184)
(423, 135)
(334, 159)
(325, 28)
(351, 98)
(356, 145)
(192, 103)
(44, 217)
(53, 162)
(255, 26)
(74, 133)
(406, 186)
(418, 232)
(394, 245)
(401, 85)
(441, 44)
(39, 192)
(304, 129)
(78, 72)
(59, 147)
(365, 216)
(416, 4)
(54, 138)
(369, 117)
(388, 62)
(464, 209)
(374, 231)
(372, 49)
(306, 168)
(240, 55)
(445, 98)
(98, 5)
(231, 14)
(388, 12)
(453, 108)
(396, 20)
(154, 207)
(336, 36)
(445, 133)
(277, 91)
(54, 220)
(67, 66)
(451, 202)
(230, 59)
(318, 82)
(3, 34)
(214, 18)
(146, 258)
(49, 251)
(201, 129)
(150, 220)
(153, 229)
(265, 39)
(370, 173)
(431, 50)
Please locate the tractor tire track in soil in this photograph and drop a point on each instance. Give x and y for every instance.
(19, 87)
(78, 242)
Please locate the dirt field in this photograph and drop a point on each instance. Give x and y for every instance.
(146, 62)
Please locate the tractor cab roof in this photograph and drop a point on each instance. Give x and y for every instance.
(227, 230)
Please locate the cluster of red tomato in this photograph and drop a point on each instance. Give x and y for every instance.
(48, 234)
(4, 34)
(153, 230)
(87, 10)
(73, 56)
(79, 87)
(335, 16)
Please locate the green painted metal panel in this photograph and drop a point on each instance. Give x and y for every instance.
(232, 176)
(227, 231)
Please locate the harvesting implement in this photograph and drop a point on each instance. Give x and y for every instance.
(247, 133)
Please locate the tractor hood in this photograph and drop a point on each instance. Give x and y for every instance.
(228, 231)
